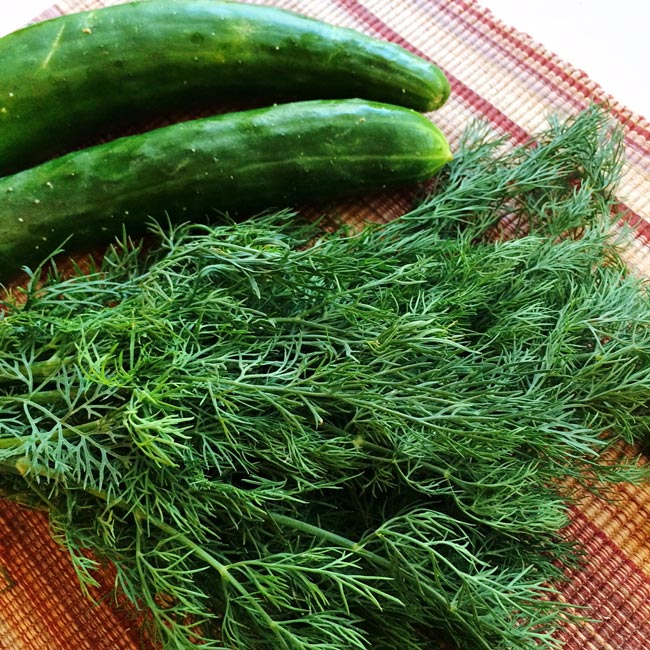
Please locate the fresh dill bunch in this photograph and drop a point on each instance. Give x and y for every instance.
(288, 439)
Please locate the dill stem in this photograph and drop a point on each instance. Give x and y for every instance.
(22, 499)
(326, 535)
(199, 552)
(301, 526)
(67, 432)
(41, 397)
(38, 370)
(377, 560)
(219, 567)
(434, 469)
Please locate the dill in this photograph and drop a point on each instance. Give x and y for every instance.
(288, 439)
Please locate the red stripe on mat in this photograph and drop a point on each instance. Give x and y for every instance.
(491, 112)
(447, 9)
(639, 224)
(496, 117)
(615, 589)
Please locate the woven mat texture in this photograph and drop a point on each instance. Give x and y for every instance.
(507, 79)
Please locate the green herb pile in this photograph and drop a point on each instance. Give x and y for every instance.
(288, 439)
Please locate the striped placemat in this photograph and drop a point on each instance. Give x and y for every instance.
(505, 78)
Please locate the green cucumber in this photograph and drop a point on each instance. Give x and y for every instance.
(77, 76)
(241, 162)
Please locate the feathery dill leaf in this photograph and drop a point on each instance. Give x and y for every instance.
(285, 439)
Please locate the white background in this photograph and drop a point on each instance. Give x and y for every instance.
(610, 41)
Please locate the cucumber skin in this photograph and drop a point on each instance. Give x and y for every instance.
(72, 77)
(256, 160)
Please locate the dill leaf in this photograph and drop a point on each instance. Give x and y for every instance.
(289, 439)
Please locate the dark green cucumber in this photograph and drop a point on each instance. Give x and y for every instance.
(80, 74)
(238, 162)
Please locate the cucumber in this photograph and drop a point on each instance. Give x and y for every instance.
(66, 80)
(241, 162)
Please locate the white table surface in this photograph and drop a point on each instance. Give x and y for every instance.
(609, 41)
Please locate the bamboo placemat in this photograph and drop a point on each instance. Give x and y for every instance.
(505, 78)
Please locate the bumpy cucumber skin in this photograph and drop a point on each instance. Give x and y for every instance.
(67, 77)
(239, 163)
